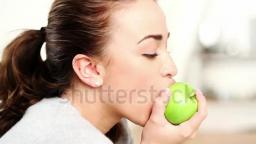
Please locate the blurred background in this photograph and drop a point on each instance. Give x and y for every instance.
(213, 43)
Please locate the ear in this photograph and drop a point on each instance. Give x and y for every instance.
(88, 71)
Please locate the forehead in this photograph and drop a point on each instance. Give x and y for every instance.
(139, 18)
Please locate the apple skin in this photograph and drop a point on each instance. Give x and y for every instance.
(182, 104)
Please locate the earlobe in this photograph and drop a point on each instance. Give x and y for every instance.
(98, 82)
(86, 71)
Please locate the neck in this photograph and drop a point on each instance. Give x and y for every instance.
(93, 109)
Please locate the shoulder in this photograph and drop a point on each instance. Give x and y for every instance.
(53, 120)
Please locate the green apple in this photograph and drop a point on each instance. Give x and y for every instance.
(182, 104)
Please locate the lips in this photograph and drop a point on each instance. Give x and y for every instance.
(170, 83)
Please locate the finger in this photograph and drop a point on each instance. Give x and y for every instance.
(202, 103)
(159, 106)
(197, 119)
(193, 135)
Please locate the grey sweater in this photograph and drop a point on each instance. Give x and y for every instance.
(56, 121)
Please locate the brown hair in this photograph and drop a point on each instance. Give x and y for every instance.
(74, 27)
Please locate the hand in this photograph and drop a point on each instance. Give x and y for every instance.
(159, 131)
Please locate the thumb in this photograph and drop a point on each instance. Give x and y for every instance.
(157, 114)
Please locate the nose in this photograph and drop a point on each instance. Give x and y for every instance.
(169, 68)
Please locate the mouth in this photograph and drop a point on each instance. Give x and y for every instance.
(171, 82)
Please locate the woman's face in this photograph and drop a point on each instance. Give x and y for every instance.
(139, 65)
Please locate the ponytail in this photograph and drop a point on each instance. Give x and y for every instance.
(74, 27)
(23, 77)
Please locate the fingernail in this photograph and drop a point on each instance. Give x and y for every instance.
(166, 93)
(199, 91)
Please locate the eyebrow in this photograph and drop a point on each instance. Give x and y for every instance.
(157, 37)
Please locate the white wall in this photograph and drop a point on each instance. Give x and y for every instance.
(183, 17)
(17, 15)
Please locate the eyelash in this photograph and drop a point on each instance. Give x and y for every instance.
(150, 56)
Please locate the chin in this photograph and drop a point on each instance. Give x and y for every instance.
(140, 115)
(142, 120)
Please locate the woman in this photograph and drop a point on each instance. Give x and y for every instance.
(106, 60)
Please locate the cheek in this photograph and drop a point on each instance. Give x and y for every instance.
(139, 83)
(140, 79)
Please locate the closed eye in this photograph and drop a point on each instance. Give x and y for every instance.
(150, 56)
